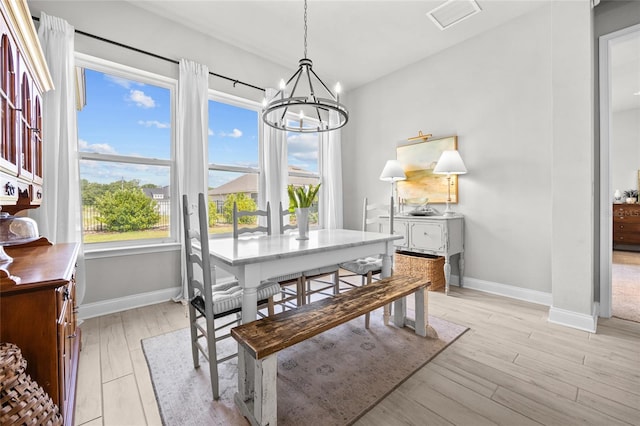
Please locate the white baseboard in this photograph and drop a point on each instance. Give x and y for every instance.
(90, 310)
(575, 319)
(519, 293)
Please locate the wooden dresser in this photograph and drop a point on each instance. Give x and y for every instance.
(626, 224)
(38, 314)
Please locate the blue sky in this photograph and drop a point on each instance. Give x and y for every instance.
(124, 117)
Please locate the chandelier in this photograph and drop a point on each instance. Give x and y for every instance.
(304, 104)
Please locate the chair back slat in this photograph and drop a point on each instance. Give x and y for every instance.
(237, 214)
(285, 226)
(371, 215)
(193, 254)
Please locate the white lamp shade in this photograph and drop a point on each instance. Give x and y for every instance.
(450, 163)
(392, 171)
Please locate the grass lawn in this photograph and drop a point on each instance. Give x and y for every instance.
(107, 237)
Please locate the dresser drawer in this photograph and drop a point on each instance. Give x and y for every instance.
(626, 213)
(427, 237)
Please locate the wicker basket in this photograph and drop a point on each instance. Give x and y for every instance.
(22, 401)
(421, 265)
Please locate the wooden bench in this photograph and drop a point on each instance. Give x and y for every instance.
(264, 338)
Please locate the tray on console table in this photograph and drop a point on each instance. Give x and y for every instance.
(38, 314)
(436, 235)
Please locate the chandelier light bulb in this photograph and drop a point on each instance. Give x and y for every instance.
(282, 84)
(338, 88)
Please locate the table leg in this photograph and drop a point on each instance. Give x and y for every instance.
(246, 363)
(461, 268)
(447, 274)
(385, 272)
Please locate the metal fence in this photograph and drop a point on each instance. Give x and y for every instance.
(90, 216)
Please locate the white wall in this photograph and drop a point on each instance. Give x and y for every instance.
(625, 149)
(494, 92)
(119, 276)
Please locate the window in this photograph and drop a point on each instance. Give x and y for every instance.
(125, 140)
(234, 152)
(303, 152)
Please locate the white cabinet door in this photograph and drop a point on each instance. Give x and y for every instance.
(400, 227)
(427, 237)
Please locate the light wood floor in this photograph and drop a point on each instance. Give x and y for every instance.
(625, 285)
(511, 368)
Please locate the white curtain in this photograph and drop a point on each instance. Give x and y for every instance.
(274, 173)
(331, 165)
(59, 217)
(192, 144)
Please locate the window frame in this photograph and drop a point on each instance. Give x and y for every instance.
(239, 102)
(134, 74)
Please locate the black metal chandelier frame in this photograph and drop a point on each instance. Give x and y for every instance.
(313, 111)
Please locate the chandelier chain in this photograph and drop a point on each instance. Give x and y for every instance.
(305, 28)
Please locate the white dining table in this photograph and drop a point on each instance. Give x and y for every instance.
(255, 259)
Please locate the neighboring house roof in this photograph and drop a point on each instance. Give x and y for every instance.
(248, 183)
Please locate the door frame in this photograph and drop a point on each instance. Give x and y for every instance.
(606, 192)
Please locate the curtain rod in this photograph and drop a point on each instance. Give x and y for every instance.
(135, 49)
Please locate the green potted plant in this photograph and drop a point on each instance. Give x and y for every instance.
(300, 199)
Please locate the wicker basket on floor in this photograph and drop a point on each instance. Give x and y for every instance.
(22, 400)
(421, 265)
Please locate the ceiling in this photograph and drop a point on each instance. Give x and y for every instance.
(353, 41)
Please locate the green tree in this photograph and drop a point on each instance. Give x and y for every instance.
(91, 191)
(213, 213)
(127, 209)
(245, 202)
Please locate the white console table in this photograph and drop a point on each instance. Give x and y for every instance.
(436, 235)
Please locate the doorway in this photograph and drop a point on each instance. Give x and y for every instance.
(619, 167)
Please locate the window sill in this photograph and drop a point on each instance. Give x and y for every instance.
(103, 252)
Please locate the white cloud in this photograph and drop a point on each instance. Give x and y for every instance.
(154, 123)
(234, 134)
(140, 99)
(303, 147)
(99, 148)
(210, 132)
(123, 82)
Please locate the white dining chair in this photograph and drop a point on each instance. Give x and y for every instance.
(210, 300)
(368, 267)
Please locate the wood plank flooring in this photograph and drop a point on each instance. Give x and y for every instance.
(511, 368)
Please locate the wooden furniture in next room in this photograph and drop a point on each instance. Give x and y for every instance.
(38, 314)
(626, 224)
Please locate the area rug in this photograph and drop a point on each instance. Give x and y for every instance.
(331, 379)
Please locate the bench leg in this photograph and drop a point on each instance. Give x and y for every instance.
(262, 410)
(422, 326)
(265, 399)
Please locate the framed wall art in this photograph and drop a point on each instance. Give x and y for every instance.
(418, 160)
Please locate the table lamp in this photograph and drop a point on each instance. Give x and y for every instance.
(392, 172)
(450, 163)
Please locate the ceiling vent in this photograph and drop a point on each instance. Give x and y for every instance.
(452, 12)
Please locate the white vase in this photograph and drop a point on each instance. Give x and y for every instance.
(631, 200)
(302, 217)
